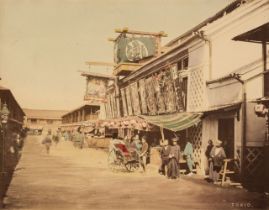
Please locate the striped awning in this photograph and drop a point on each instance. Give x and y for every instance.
(174, 122)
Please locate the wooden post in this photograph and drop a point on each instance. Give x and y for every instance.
(162, 134)
(159, 47)
(266, 75)
(117, 95)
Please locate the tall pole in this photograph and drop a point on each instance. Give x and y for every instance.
(266, 94)
(2, 164)
(244, 123)
(244, 130)
(117, 92)
(266, 75)
(2, 185)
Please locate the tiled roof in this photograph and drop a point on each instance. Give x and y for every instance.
(44, 114)
(80, 107)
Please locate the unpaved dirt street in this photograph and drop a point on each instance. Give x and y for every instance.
(72, 179)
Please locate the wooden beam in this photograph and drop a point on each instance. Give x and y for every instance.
(127, 31)
(111, 39)
(97, 63)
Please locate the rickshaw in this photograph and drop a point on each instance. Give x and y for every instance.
(121, 157)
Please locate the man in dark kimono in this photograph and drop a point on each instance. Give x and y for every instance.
(174, 156)
(209, 159)
(165, 151)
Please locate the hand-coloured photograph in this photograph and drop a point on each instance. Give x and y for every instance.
(134, 104)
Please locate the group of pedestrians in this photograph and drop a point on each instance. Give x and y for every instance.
(140, 147)
(170, 158)
(77, 137)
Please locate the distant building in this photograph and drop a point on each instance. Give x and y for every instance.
(93, 108)
(37, 119)
(16, 114)
(12, 118)
(82, 113)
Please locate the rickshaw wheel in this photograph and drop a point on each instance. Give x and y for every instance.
(115, 161)
(111, 161)
(131, 166)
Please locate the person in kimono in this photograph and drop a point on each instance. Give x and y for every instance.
(143, 154)
(174, 156)
(79, 139)
(47, 141)
(136, 144)
(112, 157)
(217, 156)
(164, 153)
(207, 154)
(188, 153)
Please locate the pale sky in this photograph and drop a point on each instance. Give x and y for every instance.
(43, 43)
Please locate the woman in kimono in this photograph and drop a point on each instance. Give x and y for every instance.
(217, 155)
(188, 153)
(174, 156)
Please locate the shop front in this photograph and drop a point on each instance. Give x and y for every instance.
(259, 155)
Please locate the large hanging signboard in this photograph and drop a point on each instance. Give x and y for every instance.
(133, 49)
(96, 90)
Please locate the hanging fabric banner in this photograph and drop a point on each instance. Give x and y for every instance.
(157, 83)
(169, 94)
(128, 99)
(115, 110)
(142, 93)
(109, 107)
(151, 102)
(112, 106)
(135, 99)
(107, 110)
(178, 87)
(123, 98)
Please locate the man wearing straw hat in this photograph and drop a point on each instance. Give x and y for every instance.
(218, 155)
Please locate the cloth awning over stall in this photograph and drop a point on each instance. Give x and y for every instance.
(174, 122)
